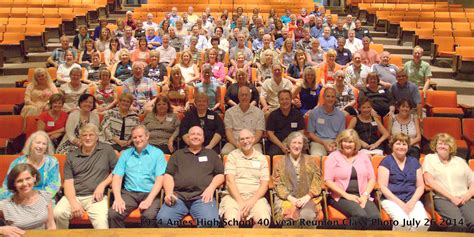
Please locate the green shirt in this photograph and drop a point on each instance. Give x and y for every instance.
(417, 73)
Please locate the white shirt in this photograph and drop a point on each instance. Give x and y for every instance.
(354, 46)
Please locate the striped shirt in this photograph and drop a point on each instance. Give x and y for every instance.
(31, 217)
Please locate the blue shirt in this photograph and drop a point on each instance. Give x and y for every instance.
(210, 89)
(315, 32)
(154, 39)
(326, 125)
(140, 170)
(330, 43)
(402, 183)
(257, 44)
(344, 57)
(279, 42)
(285, 19)
(408, 91)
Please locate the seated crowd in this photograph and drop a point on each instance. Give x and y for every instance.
(191, 88)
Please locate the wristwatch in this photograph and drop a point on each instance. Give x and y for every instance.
(366, 194)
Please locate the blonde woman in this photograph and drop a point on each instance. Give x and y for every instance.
(37, 93)
(453, 183)
(189, 70)
(306, 93)
(287, 54)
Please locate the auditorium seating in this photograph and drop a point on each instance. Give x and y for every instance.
(10, 97)
(443, 104)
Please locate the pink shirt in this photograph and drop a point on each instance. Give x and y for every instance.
(369, 57)
(338, 170)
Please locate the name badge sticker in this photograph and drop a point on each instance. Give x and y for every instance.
(169, 119)
(381, 91)
(294, 125)
(320, 121)
(210, 116)
(344, 93)
(50, 123)
(202, 159)
(373, 123)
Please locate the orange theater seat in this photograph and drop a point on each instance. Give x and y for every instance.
(5, 161)
(10, 97)
(443, 104)
(468, 135)
(452, 126)
(10, 127)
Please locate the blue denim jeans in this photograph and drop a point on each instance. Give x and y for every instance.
(205, 214)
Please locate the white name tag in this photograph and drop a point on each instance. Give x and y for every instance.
(294, 125)
(366, 31)
(320, 121)
(210, 116)
(169, 119)
(381, 91)
(51, 124)
(392, 70)
(256, 164)
(202, 159)
(345, 54)
(373, 123)
(344, 93)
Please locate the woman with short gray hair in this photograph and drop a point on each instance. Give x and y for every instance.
(38, 152)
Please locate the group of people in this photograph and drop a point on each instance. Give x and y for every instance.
(190, 177)
(133, 101)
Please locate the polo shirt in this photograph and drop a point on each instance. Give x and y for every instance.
(386, 73)
(270, 91)
(89, 171)
(253, 120)
(139, 171)
(329, 43)
(248, 171)
(283, 125)
(417, 73)
(192, 173)
(343, 56)
(408, 91)
(279, 43)
(402, 183)
(166, 54)
(211, 123)
(326, 125)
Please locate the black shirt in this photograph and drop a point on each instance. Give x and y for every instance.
(381, 99)
(361, 33)
(232, 93)
(283, 125)
(211, 123)
(192, 173)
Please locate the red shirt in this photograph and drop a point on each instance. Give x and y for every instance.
(50, 124)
